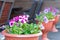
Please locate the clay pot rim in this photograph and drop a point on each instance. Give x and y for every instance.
(15, 35)
(56, 16)
(52, 19)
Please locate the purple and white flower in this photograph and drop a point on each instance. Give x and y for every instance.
(56, 10)
(23, 18)
(46, 19)
(51, 9)
(11, 23)
(20, 17)
(46, 11)
(42, 27)
(16, 18)
(53, 13)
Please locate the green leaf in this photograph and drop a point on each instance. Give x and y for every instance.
(24, 29)
(49, 16)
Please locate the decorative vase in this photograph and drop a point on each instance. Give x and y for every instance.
(21, 37)
(54, 23)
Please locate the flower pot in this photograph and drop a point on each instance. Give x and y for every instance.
(54, 23)
(48, 26)
(21, 37)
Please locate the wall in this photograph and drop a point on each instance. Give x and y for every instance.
(26, 4)
(53, 3)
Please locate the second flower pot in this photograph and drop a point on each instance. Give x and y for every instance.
(48, 26)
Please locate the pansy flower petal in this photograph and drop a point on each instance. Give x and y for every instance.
(46, 19)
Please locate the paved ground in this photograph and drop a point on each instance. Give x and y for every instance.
(54, 36)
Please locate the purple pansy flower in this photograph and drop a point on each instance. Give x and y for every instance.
(46, 10)
(56, 10)
(51, 8)
(53, 13)
(20, 17)
(16, 18)
(42, 27)
(11, 23)
(23, 21)
(46, 19)
(23, 18)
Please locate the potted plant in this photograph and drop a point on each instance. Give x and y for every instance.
(46, 18)
(19, 29)
(56, 15)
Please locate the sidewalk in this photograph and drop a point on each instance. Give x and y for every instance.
(53, 36)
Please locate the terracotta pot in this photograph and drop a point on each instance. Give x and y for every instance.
(48, 26)
(21, 37)
(54, 23)
(56, 19)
